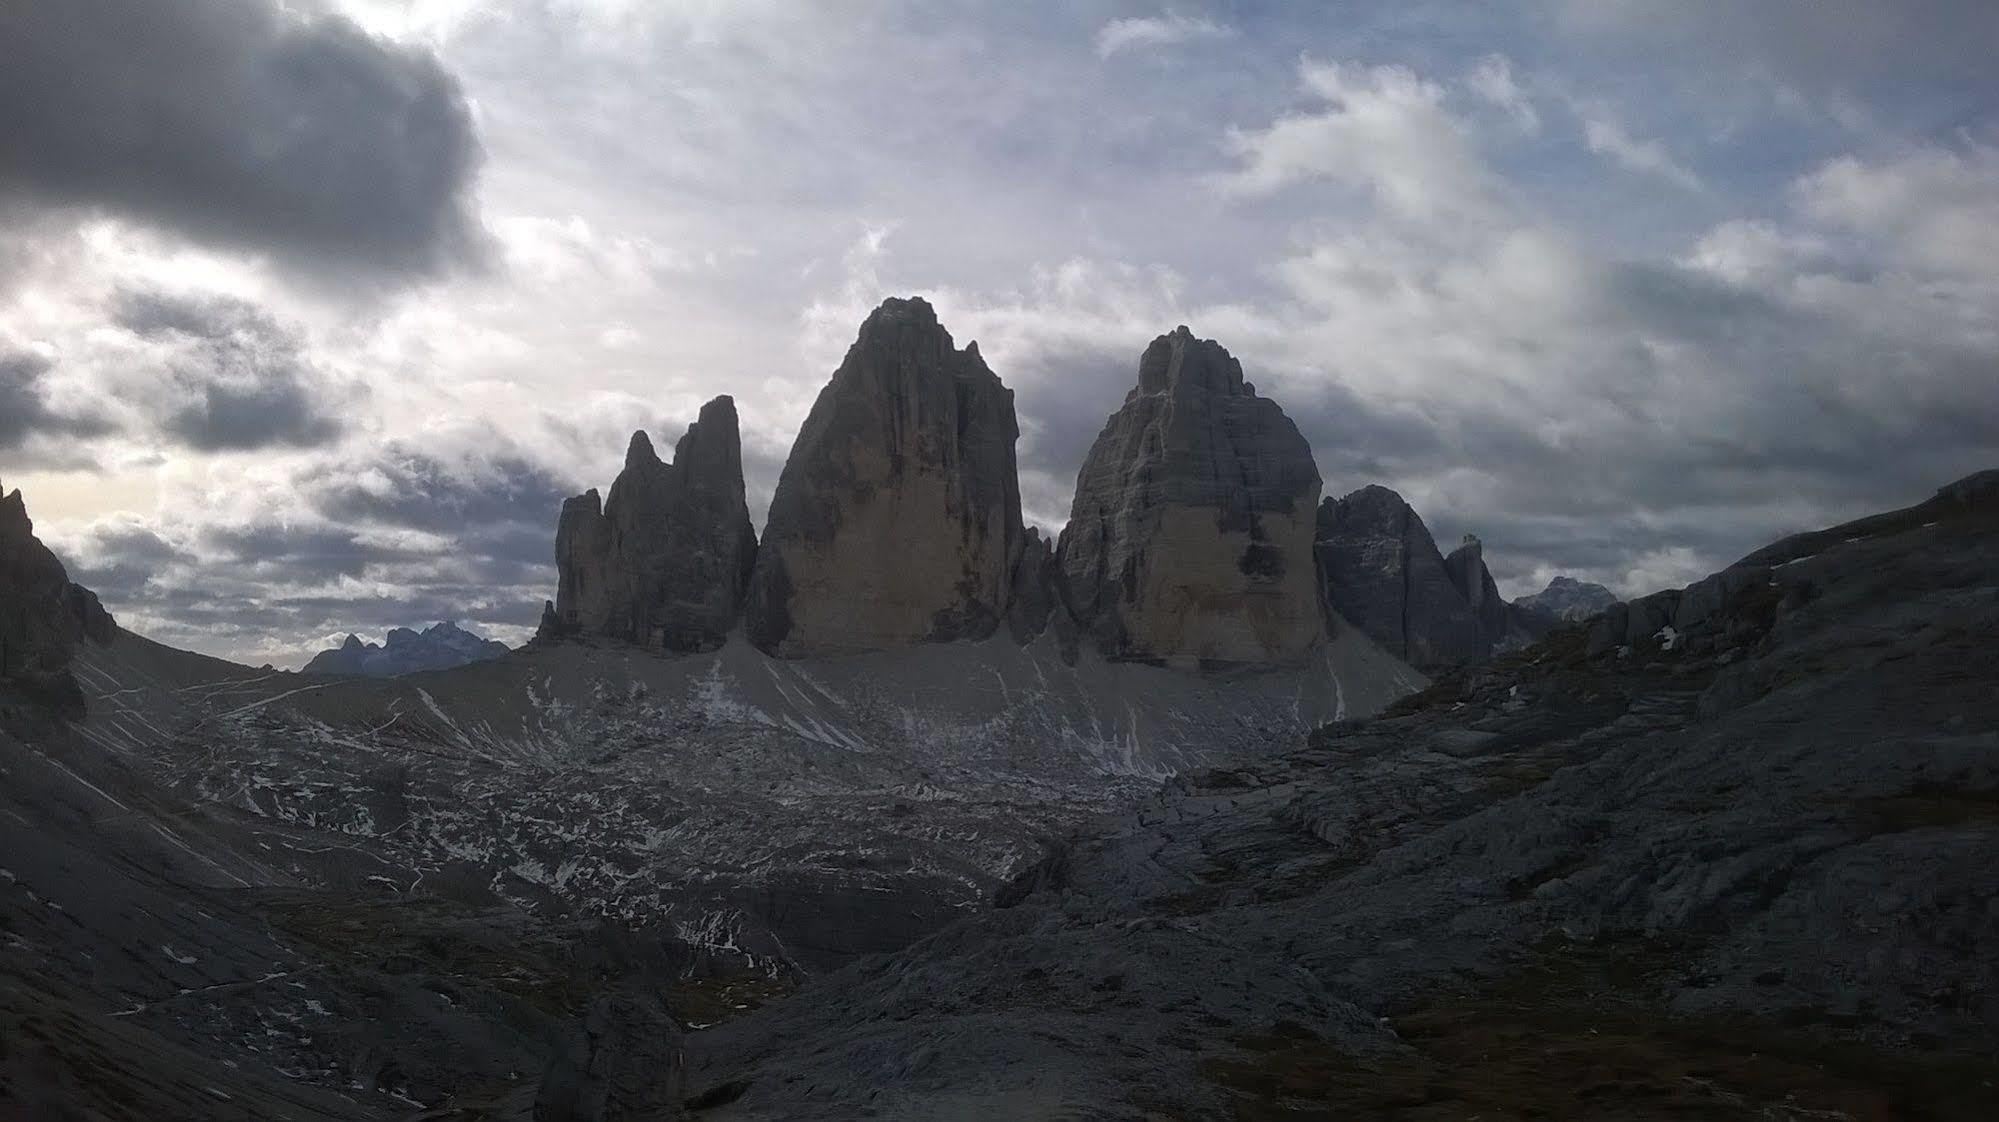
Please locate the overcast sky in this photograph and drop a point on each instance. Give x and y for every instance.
(311, 313)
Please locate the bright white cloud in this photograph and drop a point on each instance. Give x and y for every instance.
(1933, 208)
(1138, 33)
(1492, 80)
(1383, 130)
(1607, 136)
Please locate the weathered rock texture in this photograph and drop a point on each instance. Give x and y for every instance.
(1568, 600)
(43, 616)
(1382, 573)
(1190, 538)
(665, 560)
(897, 518)
(1466, 568)
(623, 1064)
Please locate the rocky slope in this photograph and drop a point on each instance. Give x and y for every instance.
(897, 518)
(1190, 537)
(440, 646)
(230, 893)
(1743, 864)
(665, 561)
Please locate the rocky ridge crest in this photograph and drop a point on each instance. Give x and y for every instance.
(1196, 538)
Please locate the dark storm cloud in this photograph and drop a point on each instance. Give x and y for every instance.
(380, 538)
(241, 124)
(509, 502)
(241, 380)
(24, 410)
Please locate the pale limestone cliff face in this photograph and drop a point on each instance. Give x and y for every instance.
(1190, 538)
(665, 560)
(897, 518)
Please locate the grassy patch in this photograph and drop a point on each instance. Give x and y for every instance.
(1575, 1036)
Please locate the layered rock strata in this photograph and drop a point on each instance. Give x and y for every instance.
(663, 562)
(1190, 537)
(1382, 572)
(897, 518)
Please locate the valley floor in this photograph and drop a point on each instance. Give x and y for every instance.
(1742, 864)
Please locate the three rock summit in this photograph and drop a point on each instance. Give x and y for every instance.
(1196, 538)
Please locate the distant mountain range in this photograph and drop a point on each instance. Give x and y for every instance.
(438, 647)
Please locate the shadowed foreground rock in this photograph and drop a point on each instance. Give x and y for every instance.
(623, 1065)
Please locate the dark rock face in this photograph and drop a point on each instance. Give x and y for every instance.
(622, 1065)
(1568, 600)
(1035, 580)
(438, 647)
(43, 616)
(897, 518)
(1466, 568)
(1382, 573)
(1190, 537)
(665, 560)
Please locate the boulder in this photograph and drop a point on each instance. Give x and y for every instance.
(1190, 538)
(665, 560)
(1382, 573)
(896, 520)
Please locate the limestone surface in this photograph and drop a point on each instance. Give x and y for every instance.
(1190, 537)
(896, 520)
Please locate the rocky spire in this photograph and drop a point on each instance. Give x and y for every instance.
(1383, 574)
(663, 561)
(1190, 537)
(897, 517)
(43, 616)
(1466, 568)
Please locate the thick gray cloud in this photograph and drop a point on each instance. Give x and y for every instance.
(239, 123)
(370, 539)
(25, 414)
(238, 380)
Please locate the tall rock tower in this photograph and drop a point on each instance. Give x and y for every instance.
(1383, 575)
(897, 517)
(1190, 538)
(665, 560)
(1466, 568)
